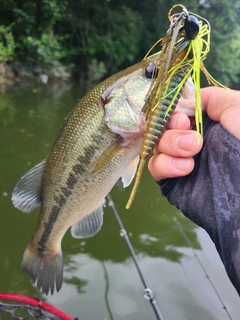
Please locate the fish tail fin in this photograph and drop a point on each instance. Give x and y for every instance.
(45, 268)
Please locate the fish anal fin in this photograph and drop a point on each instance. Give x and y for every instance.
(89, 225)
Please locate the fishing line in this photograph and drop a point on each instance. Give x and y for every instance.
(106, 291)
(148, 294)
(201, 266)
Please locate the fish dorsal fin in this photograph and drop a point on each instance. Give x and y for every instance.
(89, 225)
(108, 155)
(130, 172)
(26, 195)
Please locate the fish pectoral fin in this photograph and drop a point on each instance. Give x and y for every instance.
(108, 155)
(26, 195)
(130, 172)
(89, 225)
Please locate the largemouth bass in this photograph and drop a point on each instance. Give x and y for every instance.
(99, 142)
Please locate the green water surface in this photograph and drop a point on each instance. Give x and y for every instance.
(100, 279)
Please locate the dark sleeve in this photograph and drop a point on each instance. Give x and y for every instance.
(210, 195)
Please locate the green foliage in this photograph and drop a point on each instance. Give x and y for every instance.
(223, 61)
(99, 37)
(47, 48)
(7, 44)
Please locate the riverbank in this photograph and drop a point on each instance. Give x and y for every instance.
(15, 72)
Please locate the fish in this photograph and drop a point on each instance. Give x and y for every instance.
(99, 142)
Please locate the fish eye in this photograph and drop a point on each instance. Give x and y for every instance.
(191, 27)
(150, 71)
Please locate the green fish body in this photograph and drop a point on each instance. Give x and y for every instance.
(99, 142)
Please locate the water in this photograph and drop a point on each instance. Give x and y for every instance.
(100, 279)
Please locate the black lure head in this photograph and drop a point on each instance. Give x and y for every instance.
(191, 27)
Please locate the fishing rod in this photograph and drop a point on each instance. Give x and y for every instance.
(202, 266)
(148, 294)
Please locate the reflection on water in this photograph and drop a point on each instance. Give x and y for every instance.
(100, 279)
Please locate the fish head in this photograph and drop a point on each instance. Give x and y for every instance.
(126, 97)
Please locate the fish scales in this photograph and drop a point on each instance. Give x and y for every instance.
(56, 189)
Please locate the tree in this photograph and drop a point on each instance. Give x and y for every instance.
(223, 61)
(91, 39)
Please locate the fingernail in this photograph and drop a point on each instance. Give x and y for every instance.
(185, 141)
(181, 164)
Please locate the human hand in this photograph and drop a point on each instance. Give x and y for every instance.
(173, 155)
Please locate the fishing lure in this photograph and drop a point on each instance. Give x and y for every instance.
(183, 50)
(157, 123)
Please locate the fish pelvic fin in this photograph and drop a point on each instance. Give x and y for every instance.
(26, 195)
(45, 268)
(90, 224)
(130, 172)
